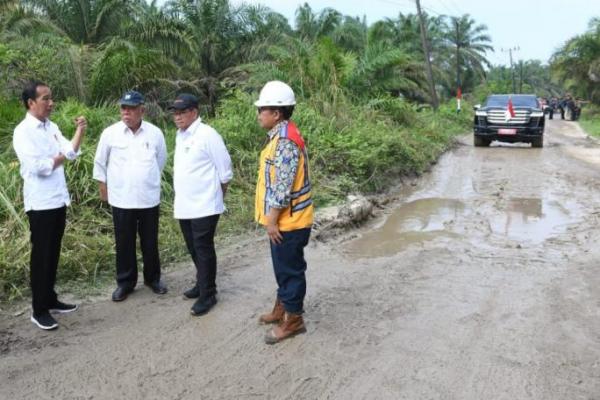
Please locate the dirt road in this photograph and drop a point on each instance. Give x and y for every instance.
(481, 282)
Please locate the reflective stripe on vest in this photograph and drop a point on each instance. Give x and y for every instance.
(300, 213)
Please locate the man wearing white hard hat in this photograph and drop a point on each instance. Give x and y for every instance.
(284, 206)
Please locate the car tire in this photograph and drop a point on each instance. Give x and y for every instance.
(480, 142)
(538, 142)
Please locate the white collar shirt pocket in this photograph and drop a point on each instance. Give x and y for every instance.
(133, 165)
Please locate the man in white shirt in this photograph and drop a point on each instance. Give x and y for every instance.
(202, 170)
(129, 160)
(42, 150)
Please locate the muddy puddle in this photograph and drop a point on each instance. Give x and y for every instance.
(414, 222)
(525, 220)
(534, 220)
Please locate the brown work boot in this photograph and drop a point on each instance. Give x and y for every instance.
(290, 325)
(275, 315)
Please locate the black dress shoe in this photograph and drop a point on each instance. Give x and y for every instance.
(157, 287)
(203, 306)
(121, 293)
(192, 293)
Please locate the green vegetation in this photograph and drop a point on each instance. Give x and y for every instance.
(590, 119)
(576, 66)
(361, 150)
(362, 94)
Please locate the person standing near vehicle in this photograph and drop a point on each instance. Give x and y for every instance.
(570, 106)
(42, 149)
(284, 207)
(562, 105)
(202, 170)
(551, 107)
(129, 160)
(577, 108)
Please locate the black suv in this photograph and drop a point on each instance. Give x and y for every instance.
(494, 121)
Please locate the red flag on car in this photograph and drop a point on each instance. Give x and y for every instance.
(509, 108)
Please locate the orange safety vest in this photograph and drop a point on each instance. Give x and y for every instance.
(299, 213)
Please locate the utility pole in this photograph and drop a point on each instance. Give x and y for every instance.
(434, 98)
(457, 53)
(516, 48)
(458, 82)
(521, 76)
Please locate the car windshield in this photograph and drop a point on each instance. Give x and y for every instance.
(518, 101)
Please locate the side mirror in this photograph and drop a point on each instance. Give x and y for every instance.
(476, 107)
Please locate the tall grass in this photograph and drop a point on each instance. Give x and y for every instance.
(354, 148)
(590, 119)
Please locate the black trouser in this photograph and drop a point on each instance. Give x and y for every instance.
(128, 222)
(550, 113)
(199, 235)
(47, 228)
(562, 112)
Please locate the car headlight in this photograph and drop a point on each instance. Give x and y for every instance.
(481, 113)
(537, 114)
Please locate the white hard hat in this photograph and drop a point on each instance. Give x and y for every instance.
(276, 93)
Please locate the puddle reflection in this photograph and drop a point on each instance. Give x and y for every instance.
(531, 220)
(414, 222)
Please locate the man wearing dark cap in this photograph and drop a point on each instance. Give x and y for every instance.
(129, 161)
(202, 170)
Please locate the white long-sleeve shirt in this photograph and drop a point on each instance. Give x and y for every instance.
(131, 164)
(201, 165)
(36, 144)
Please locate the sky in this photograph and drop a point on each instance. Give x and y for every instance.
(536, 28)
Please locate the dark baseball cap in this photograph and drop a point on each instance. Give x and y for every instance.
(131, 98)
(184, 101)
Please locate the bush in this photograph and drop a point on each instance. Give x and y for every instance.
(590, 119)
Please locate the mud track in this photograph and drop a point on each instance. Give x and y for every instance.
(480, 282)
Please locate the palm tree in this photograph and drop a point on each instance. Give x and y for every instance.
(404, 33)
(86, 22)
(100, 32)
(311, 26)
(577, 63)
(217, 31)
(351, 34)
(468, 44)
(327, 75)
(382, 69)
(261, 27)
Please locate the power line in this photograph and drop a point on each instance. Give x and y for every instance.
(432, 11)
(407, 3)
(457, 9)
(450, 12)
(510, 53)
